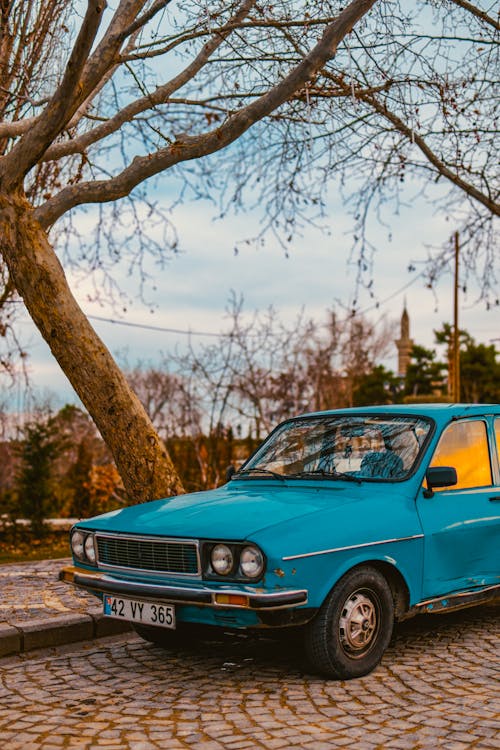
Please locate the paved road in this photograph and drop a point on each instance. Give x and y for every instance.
(38, 610)
(438, 687)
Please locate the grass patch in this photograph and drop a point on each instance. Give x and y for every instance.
(23, 547)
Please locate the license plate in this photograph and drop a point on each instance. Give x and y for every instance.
(146, 613)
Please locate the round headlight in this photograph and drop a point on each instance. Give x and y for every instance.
(77, 542)
(90, 549)
(221, 559)
(251, 562)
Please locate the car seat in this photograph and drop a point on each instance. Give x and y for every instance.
(382, 464)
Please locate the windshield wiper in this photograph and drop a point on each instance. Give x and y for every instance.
(347, 477)
(328, 475)
(257, 470)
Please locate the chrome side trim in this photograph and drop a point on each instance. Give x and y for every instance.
(352, 546)
(459, 599)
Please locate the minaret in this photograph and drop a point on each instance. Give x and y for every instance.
(404, 344)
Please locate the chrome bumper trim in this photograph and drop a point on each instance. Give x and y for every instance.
(201, 595)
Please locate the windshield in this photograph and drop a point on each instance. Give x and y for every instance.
(341, 446)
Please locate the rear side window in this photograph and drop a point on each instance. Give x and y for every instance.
(497, 435)
(464, 445)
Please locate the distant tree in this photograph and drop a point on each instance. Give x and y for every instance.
(8, 457)
(258, 373)
(166, 393)
(363, 345)
(479, 366)
(263, 371)
(77, 478)
(445, 334)
(479, 373)
(425, 374)
(105, 489)
(53, 462)
(84, 449)
(9, 460)
(38, 450)
(378, 386)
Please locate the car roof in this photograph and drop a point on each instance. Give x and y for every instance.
(436, 410)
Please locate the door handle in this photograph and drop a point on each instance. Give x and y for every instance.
(494, 499)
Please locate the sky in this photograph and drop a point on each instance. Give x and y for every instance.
(191, 293)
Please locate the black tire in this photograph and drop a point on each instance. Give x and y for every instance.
(348, 636)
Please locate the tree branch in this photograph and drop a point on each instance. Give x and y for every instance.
(154, 50)
(192, 147)
(17, 128)
(419, 141)
(159, 96)
(477, 12)
(27, 152)
(140, 22)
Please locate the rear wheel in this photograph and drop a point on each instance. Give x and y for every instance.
(352, 629)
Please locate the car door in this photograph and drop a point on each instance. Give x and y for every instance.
(461, 524)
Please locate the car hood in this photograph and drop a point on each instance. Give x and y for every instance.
(238, 510)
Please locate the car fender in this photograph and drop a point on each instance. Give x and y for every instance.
(402, 560)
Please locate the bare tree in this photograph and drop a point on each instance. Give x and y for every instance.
(164, 394)
(265, 89)
(363, 346)
(262, 371)
(72, 113)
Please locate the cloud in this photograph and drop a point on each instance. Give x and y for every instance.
(192, 290)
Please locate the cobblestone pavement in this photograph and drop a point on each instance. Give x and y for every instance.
(38, 610)
(32, 590)
(438, 687)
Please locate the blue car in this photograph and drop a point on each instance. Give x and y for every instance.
(339, 524)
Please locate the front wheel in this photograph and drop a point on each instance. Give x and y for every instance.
(352, 629)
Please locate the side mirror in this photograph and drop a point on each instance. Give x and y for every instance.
(230, 471)
(439, 476)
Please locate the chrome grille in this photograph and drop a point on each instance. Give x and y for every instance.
(158, 555)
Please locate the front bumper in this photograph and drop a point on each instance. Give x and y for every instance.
(239, 597)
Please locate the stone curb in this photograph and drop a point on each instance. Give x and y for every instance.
(25, 636)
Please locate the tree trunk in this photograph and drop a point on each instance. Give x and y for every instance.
(141, 458)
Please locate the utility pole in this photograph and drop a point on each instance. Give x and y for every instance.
(456, 342)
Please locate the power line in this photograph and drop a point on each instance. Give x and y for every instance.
(376, 305)
(182, 332)
(147, 327)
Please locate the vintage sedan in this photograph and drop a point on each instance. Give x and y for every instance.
(339, 524)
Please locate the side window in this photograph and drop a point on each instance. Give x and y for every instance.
(497, 435)
(464, 445)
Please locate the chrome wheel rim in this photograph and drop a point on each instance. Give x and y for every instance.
(359, 623)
